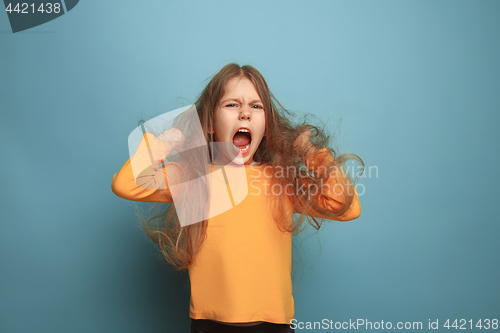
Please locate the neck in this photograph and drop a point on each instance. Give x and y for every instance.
(222, 160)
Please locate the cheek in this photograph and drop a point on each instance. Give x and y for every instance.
(216, 124)
(262, 124)
(220, 128)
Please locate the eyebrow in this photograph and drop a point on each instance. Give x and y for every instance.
(238, 100)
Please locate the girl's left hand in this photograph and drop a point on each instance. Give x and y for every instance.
(303, 143)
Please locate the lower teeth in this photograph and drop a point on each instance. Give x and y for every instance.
(244, 147)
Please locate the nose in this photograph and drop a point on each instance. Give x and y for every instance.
(245, 113)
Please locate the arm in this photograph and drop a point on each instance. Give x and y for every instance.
(330, 196)
(140, 179)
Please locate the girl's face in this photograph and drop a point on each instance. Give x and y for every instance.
(240, 118)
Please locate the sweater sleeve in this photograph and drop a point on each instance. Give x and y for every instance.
(330, 196)
(140, 179)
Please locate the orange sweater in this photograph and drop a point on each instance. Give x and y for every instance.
(243, 271)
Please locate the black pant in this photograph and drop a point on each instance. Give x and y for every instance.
(208, 326)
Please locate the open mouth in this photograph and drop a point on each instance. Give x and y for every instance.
(242, 139)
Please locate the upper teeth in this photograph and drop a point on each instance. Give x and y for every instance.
(243, 130)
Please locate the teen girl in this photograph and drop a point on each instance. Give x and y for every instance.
(240, 261)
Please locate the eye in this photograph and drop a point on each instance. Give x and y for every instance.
(256, 106)
(231, 105)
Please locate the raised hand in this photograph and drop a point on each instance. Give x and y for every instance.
(173, 138)
(151, 152)
(303, 143)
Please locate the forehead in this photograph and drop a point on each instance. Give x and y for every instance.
(239, 87)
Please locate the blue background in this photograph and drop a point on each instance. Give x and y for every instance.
(416, 84)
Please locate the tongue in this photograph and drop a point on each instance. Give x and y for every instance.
(241, 139)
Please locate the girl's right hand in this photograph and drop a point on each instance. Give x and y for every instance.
(173, 138)
(152, 151)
